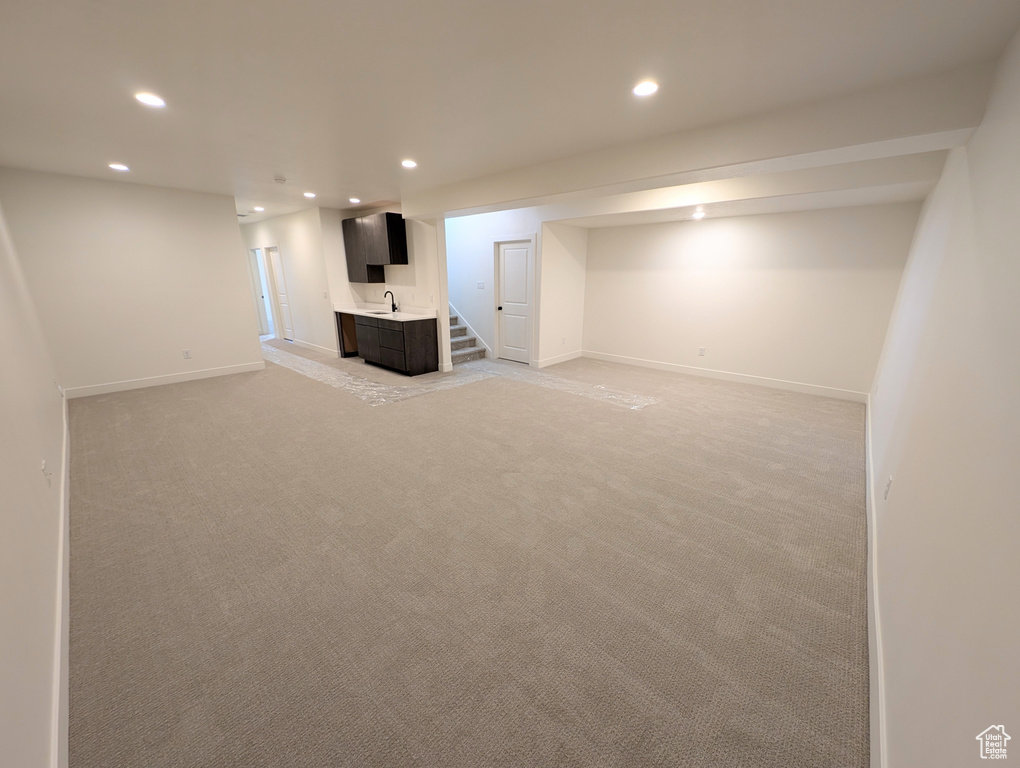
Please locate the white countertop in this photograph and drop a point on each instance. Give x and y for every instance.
(383, 312)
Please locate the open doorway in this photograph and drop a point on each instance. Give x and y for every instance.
(260, 286)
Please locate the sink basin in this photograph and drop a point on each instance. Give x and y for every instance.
(379, 312)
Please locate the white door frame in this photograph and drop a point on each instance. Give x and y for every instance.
(531, 240)
(274, 290)
(254, 257)
(267, 301)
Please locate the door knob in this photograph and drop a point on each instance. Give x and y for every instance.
(500, 308)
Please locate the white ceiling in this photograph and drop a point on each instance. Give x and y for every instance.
(333, 95)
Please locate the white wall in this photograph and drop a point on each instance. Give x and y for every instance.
(470, 259)
(33, 663)
(561, 294)
(802, 298)
(299, 236)
(945, 424)
(125, 277)
(341, 291)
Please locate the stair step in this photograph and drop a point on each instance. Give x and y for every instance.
(458, 330)
(454, 320)
(465, 355)
(462, 341)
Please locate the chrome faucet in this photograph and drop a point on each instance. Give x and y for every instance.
(393, 300)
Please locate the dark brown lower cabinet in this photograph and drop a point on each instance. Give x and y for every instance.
(409, 346)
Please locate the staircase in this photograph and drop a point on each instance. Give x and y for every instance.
(462, 346)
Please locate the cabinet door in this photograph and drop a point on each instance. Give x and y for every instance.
(355, 250)
(383, 238)
(391, 339)
(392, 358)
(373, 235)
(421, 347)
(368, 343)
(357, 242)
(396, 238)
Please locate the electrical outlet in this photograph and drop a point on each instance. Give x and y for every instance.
(325, 294)
(888, 487)
(564, 339)
(481, 284)
(187, 354)
(701, 351)
(431, 298)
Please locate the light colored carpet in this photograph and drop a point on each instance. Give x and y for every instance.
(270, 571)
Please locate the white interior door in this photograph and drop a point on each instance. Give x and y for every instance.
(267, 291)
(259, 294)
(514, 302)
(286, 322)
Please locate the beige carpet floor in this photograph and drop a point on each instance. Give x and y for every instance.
(269, 571)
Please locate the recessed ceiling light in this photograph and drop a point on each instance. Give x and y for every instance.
(119, 167)
(309, 195)
(150, 100)
(355, 200)
(646, 88)
(409, 163)
(259, 209)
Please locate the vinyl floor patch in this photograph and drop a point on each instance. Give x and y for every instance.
(378, 393)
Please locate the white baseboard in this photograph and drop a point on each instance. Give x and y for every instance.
(558, 359)
(743, 378)
(446, 367)
(876, 664)
(155, 381)
(61, 640)
(472, 331)
(313, 347)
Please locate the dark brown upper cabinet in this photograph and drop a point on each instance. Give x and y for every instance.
(358, 269)
(372, 242)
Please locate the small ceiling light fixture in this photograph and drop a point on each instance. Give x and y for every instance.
(309, 195)
(150, 100)
(355, 200)
(259, 209)
(409, 163)
(698, 214)
(646, 88)
(119, 167)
